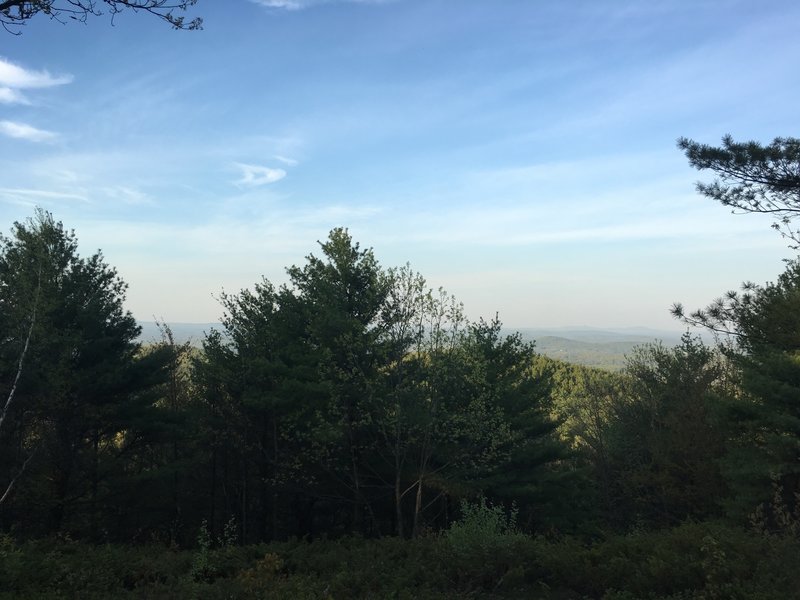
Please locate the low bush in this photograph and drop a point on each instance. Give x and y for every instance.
(481, 556)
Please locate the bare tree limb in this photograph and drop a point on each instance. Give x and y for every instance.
(15, 13)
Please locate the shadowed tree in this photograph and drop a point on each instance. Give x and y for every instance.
(529, 451)
(341, 295)
(83, 387)
(762, 330)
(667, 439)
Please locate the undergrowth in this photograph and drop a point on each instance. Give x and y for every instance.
(480, 556)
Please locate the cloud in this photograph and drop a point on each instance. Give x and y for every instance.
(26, 132)
(14, 78)
(126, 195)
(301, 4)
(24, 193)
(11, 96)
(284, 4)
(290, 162)
(255, 175)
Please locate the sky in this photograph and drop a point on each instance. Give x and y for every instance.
(520, 154)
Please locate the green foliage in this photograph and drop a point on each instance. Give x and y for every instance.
(665, 441)
(482, 529)
(780, 515)
(86, 397)
(649, 438)
(762, 329)
(353, 384)
(202, 569)
(607, 356)
(482, 532)
(692, 560)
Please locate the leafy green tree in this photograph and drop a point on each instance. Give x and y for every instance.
(457, 429)
(584, 400)
(433, 424)
(753, 178)
(667, 439)
(399, 418)
(649, 438)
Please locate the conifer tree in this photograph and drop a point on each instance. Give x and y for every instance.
(753, 178)
(83, 386)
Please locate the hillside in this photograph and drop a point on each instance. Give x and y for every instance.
(600, 348)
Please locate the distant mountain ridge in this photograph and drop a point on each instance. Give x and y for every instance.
(589, 346)
(602, 335)
(594, 347)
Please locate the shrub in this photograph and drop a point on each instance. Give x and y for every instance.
(482, 544)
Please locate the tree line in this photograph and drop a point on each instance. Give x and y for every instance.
(356, 399)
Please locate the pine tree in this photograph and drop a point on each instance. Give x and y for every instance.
(83, 385)
(753, 178)
(760, 327)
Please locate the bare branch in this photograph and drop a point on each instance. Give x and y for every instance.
(15, 13)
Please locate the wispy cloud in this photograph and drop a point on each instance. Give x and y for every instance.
(283, 4)
(26, 193)
(255, 175)
(23, 131)
(289, 162)
(301, 4)
(126, 195)
(11, 96)
(14, 78)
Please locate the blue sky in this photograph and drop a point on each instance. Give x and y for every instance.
(521, 154)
